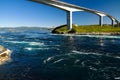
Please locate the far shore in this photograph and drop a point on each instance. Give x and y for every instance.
(93, 33)
(87, 30)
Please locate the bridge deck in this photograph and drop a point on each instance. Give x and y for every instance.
(71, 8)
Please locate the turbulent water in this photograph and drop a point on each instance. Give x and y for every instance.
(39, 55)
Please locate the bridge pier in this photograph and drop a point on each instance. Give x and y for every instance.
(69, 20)
(112, 23)
(118, 24)
(101, 20)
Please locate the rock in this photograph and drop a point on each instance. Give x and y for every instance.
(4, 51)
(2, 48)
(4, 54)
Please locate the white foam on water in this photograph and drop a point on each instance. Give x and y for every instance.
(76, 61)
(85, 53)
(96, 36)
(48, 59)
(36, 44)
(93, 68)
(102, 36)
(118, 57)
(89, 53)
(18, 42)
(58, 61)
(83, 64)
(27, 42)
(30, 48)
(117, 78)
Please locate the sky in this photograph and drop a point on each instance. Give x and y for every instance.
(17, 13)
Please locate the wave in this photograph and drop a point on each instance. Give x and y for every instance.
(18, 42)
(117, 78)
(26, 42)
(103, 36)
(58, 61)
(30, 48)
(85, 53)
(118, 57)
(48, 59)
(90, 53)
(36, 43)
(95, 36)
(76, 61)
(68, 55)
(51, 58)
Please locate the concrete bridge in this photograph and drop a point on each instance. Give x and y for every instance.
(70, 8)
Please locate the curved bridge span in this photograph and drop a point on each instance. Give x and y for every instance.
(70, 8)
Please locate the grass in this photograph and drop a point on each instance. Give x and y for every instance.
(87, 29)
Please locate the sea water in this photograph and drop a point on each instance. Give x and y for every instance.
(37, 54)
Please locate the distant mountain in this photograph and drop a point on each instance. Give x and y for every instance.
(25, 27)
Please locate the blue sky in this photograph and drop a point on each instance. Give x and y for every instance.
(16, 13)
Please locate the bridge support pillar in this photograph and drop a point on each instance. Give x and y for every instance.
(118, 24)
(101, 20)
(112, 23)
(69, 20)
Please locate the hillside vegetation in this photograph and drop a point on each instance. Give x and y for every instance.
(89, 29)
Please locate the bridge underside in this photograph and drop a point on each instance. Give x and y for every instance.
(70, 8)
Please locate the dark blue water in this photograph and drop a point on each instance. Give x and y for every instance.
(39, 55)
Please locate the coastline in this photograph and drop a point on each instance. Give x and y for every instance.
(94, 33)
(87, 30)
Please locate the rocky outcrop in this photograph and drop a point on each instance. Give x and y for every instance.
(4, 51)
(4, 54)
(57, 32)
(88, 30)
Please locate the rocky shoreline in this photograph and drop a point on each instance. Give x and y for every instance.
(88, 33)
(62, 30)
(97, 33)
(4, 54)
